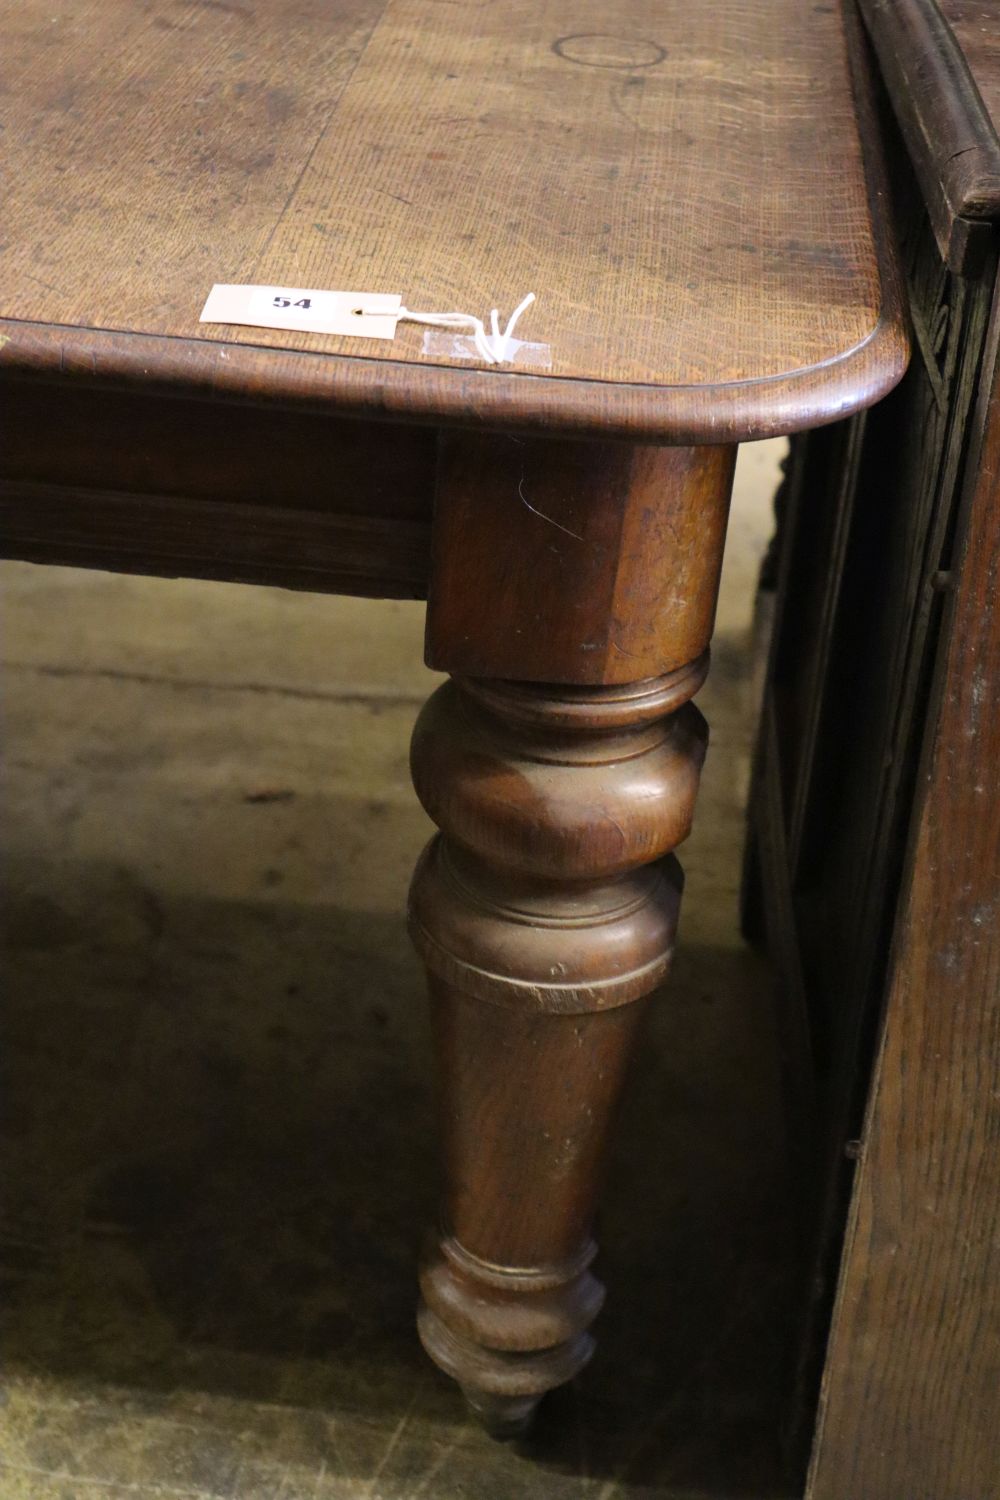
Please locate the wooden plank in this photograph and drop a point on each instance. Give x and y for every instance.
(146, 444)
(976, 27)
(179, 537)
(682, 186)
(948, 129)
(911, 1396)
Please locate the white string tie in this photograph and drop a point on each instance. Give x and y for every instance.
(493, 347)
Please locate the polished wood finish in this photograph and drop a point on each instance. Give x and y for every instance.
(562, 562)
(216, 451)
(217, 491)
(546, 914)
(698, 231)
(911, 1400)
(546, 909)
(685, 190)
(231, 542)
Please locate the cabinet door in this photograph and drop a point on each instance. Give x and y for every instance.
(869, 530)
(911, 1391)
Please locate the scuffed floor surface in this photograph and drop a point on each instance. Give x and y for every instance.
(217, 1125)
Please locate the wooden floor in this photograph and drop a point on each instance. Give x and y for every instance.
(217, 1130)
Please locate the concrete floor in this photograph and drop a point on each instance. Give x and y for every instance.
(217, 1139)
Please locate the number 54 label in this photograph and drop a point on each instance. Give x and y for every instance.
(365, 315)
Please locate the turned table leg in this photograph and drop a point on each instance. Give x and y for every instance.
(545, 913)
(546, 908)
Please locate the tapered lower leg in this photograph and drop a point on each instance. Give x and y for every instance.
(545, 913)
(508, 1294)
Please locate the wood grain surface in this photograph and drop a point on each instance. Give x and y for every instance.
(683, 187)
(976, 25)
(944, 83)
(138, 483)
(911, 1397)
(575, 562)
(546, 912)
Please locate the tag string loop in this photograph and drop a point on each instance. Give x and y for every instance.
(493, 347)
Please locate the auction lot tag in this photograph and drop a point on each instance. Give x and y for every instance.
(359, 315)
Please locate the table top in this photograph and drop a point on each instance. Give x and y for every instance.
(682, 186)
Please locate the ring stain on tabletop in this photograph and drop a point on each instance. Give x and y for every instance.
(595, 49)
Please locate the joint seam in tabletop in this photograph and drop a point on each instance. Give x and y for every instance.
(320, 138)
(812, 296)
(885, 324)
(408, 389)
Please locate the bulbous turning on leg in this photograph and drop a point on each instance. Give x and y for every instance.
(545, 912)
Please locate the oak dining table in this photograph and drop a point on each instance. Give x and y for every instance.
(692, 195)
